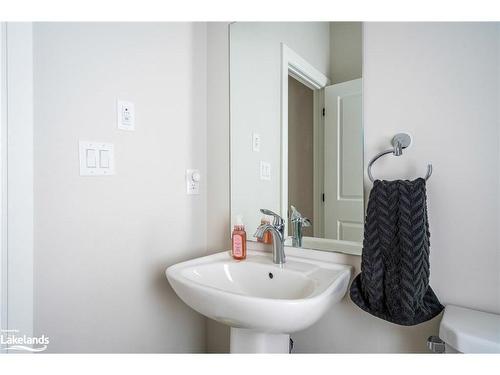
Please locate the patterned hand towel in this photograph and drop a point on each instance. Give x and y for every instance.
(394, 280)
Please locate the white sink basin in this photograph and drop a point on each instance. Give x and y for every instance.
(258, 295)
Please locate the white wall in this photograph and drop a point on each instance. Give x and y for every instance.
(435, 81)
(255, 106)
(346, 46)
(102, 243)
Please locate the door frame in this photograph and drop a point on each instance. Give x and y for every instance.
(292, 64)
(16, 177)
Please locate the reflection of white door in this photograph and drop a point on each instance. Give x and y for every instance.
(343, 162)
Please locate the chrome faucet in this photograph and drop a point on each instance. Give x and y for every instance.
(277, 229)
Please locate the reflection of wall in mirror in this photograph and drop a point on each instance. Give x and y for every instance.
(346, 51)
(300, 150)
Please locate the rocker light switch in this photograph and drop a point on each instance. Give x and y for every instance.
(91, 158)
(104, 158)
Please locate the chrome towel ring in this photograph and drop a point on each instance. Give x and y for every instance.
(399, 142)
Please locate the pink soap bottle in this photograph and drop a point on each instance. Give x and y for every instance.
(239, 240)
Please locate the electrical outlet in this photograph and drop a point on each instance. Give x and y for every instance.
(125, 114)
(256, 142)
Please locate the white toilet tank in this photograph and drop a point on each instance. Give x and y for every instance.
(470, 331)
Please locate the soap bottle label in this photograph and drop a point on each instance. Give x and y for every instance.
(237, 245)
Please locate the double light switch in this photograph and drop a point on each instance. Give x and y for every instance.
(96, 159)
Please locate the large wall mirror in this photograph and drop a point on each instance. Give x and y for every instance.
(296, 128)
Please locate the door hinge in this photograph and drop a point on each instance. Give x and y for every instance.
(324, 112)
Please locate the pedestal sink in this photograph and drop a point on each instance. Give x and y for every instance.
(262, 302)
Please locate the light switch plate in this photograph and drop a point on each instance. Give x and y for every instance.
(91, 154)
(125, 115)
(256, 142)
(265, 171)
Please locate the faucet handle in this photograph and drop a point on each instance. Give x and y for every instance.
(306, 222)
(277, 219)
(296, 217)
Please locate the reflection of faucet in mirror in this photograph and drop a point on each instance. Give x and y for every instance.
(298, 221)
(277, 229)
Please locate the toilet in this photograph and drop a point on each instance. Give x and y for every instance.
(465, 330)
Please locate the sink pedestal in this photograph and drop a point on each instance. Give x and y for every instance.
(249, 341)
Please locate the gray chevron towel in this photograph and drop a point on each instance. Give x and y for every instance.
(394, 280)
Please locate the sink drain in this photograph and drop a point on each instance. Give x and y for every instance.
(271, 275)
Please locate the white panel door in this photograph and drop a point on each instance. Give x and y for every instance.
(343, 162)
